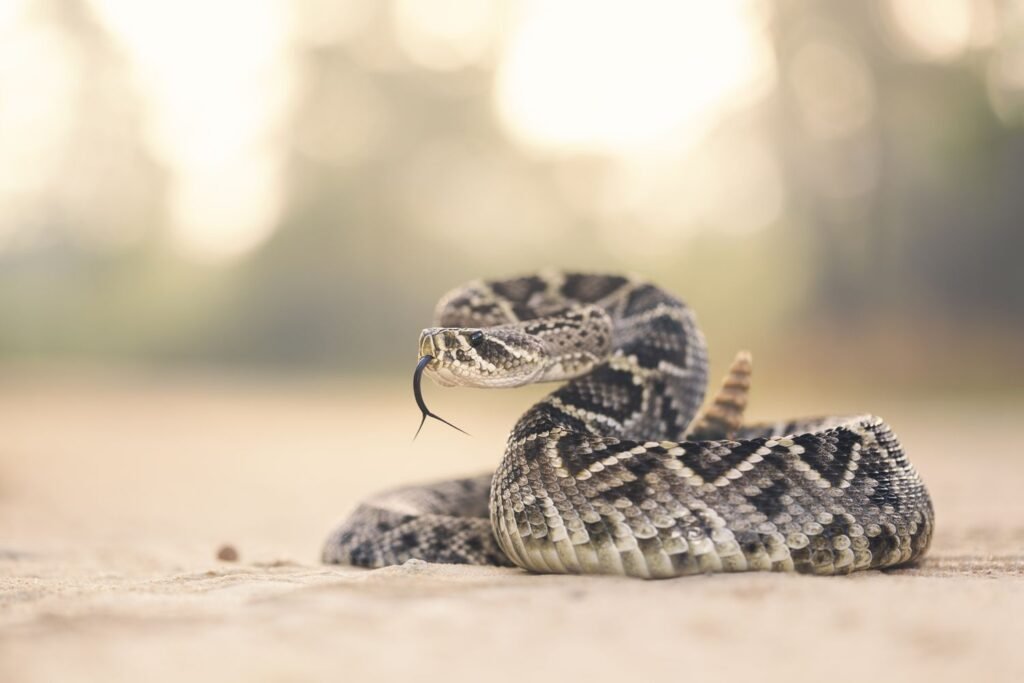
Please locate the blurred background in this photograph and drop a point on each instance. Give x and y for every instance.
(286, 187)
(223, 225)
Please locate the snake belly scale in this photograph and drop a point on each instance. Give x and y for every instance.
(615, 473)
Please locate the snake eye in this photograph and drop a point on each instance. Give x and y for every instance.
(476, 338)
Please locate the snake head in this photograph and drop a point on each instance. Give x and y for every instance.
(503, 356)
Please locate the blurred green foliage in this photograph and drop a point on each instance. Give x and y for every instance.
(897, 247)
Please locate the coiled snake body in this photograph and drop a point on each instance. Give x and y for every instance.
(611, 473)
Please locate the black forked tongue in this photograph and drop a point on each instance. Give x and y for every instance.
(417, 377)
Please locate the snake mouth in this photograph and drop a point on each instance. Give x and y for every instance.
(432, 344)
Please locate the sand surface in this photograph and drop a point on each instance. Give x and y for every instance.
(116, 496)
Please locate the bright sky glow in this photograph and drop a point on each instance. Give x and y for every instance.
(216, 81)
(215, 76)
(38, 73)
(619, 77)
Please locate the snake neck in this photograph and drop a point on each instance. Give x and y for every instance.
(575, 341)
(643, 376)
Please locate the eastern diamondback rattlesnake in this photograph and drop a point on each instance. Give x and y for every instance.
(610, 474)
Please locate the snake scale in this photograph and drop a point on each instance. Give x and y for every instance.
(615, 473)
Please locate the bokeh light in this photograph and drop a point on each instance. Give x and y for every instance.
(446, 34)
(213, 112)
(629, 79)
(39, 73)
(1005, 75)
(833, 87)
(324, 23)
(932, 29)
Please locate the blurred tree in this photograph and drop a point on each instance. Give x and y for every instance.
(897, 211)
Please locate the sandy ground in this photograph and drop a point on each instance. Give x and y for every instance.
(115, 497)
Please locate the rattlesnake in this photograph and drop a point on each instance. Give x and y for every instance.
(607, 475)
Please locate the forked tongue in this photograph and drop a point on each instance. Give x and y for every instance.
(417, 377)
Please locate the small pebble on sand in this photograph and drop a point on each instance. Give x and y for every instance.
(227, 553)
